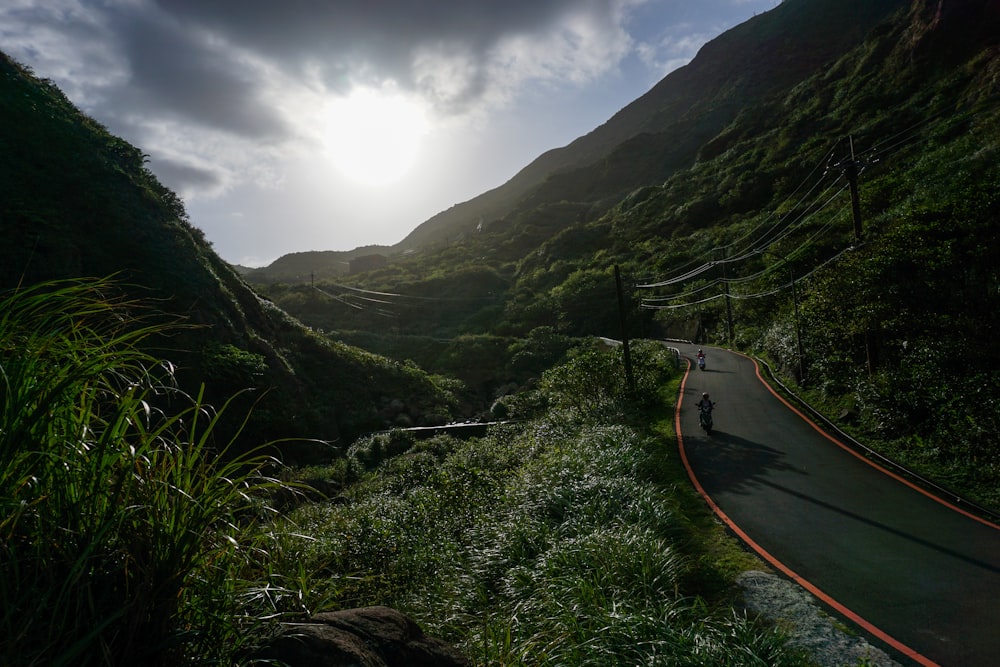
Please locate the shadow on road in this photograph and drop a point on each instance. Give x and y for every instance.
(729, 464)
(735, 463)
(948, 550)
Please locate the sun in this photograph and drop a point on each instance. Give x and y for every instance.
(373, 137)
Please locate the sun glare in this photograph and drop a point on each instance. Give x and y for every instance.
(373, 138)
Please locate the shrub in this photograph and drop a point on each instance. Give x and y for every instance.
(118, 511)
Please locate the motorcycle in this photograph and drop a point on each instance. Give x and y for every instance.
(705, 418)
(701, 363)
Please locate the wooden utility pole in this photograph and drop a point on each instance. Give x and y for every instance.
(798, 328)
(630, 381)
(729, 303)
(851, 171)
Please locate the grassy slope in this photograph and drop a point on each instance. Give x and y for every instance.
(76, 201)
(919, 101)
(571, 538)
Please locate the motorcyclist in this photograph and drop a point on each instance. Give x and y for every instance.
(701, 359)
(705, 406)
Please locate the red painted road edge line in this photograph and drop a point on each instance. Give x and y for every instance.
(763, 553)
(858, 454)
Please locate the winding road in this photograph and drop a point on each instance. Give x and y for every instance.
(917, 575)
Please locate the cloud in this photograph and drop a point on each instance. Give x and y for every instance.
(456, 53)
(672, 49)
(186, 178)
(186, 74)
(231, 98)
(167, 74)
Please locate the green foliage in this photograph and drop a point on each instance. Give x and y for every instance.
(126, 527)
(547, 542)
(476, 359)
(230, 363)
(76, 201)
(369, 452)
(541, 349)
(591, 385)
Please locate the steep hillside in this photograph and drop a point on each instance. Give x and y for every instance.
(746, 232)
(662, 131)
(78, 202)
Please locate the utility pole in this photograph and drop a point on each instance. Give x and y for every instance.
(629, 379)
(798, 328)
(851, 171)
(729, 303)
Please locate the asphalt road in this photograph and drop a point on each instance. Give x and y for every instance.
(919, 577)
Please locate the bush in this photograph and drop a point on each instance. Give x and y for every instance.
(591, 384)
(118, 511)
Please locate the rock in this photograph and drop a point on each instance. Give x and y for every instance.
(365, 637)
(847, 416)
(799, 615)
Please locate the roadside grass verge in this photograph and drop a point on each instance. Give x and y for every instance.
(130, 536)
(126, 530)
(571, 538)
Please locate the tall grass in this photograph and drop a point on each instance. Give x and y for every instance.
(551, 542)
(121, 543)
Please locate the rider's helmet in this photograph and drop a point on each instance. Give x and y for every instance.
(704, 395)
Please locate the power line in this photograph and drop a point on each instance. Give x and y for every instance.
(754, 251)
(706, 265)
(377, 311)
(413, 297)
(756, 295)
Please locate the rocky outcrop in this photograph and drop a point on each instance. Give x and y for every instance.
(365, 637)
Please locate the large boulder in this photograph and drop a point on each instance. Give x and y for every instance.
(365, 637)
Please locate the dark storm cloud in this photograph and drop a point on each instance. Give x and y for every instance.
(379, 40)
(182, 177)
(174, 74)
(391, 27)
(213, 63)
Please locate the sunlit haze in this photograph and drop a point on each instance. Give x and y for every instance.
(327, 125)
(373, 137)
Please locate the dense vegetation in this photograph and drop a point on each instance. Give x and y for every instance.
(126, 528)
(886, 319)
(142, 525)
(76, 201)
(132, 536)
(568, 538)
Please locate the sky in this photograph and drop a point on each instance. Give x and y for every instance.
(297, 125)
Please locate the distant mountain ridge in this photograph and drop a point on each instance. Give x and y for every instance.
(310, 265)
(765, 54)
(77, 202)
(672, 122)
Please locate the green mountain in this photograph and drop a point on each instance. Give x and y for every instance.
(663, 131)
(820, 185)
(77, 202)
